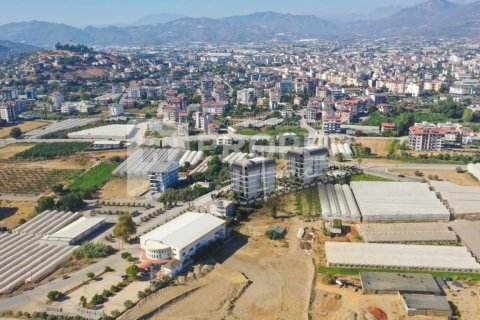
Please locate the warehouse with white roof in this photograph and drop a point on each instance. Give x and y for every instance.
(180, 238)
(75, 232)
(398, 201)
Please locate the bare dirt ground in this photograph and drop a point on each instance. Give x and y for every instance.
(12, 211)
(24, 126)
(463, 179)
(12, 149)
(123, 188)
(466, 299)
(378, 146)
(281, 276)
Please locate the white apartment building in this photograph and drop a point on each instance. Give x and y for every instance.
(252, 178)
(311, 115)
(8, 113)
(81, 107)
(202, 121)
(57, 100)
(116, 109)
(305, 165)
(245, 96)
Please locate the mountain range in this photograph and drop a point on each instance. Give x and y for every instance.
(429, 19)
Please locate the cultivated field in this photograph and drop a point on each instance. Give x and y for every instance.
(24, 126)
(11, 150)
(31, 180)
(462, 179)
(95, 177)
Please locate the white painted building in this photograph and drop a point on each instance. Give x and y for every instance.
(252, 178)
(180, 238)
(116, 109)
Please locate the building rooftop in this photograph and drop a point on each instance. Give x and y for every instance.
(184, 230)
(406, 232)
(399, 282)
(401, 256)
(421, 302)
(398, 201)
(75, 229)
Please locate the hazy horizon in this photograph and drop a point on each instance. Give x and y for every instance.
(117, 12)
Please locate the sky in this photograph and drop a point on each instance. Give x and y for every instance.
(103, 12)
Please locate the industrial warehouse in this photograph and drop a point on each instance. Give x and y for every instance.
(25, 256)
(398, 201)
(400, 256)
(180, 238)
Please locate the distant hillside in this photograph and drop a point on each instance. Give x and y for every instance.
(157, 18)
(432, 18)
(12, 48)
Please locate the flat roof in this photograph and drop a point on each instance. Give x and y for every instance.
(184, 230)
(122, 131)
(406, 232)
(426, 302)
(469, 233)
(75, 229)
(398, 201)
(399, 282)
(400, 256)
(461, 199)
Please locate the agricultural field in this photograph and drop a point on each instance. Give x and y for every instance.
(9, 151)
(94, 178)
(31, 180)
(460, 178)
(24, 126)
(53, 150)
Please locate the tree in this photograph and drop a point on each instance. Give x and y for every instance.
(54, 295)
(90, 275)
(132, 271)
(83, 301)
(128, 304)
(141, 294)
(58, 188)
(71, 202)
(125, 227)
(339, 157)
(16, 132)
(97, 299)
(45, 203)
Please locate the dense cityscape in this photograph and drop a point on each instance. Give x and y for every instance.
(301, 177)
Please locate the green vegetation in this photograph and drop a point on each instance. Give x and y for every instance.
(361, 150)
(272, 131)
(95, 177)
(298, 203)
(356, 271)
(16, 132)
(55, 295)
(218, 173)
(53, 150)
(132, 272)
(45, 203)
(172, 196)
(368, 177)
(275, 233)
(125, 227)
(90, 250)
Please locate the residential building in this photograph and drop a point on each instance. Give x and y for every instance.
(9, 93)
(311, 115)
(31, 93)
(116, 109)
(57, 99)
(222, 208)
(163, 175)
(305, 165)
(252, 178)
(81, 107)
(332, 124)
(8, 112)
(202, 121)
(426, 136)
(136, 93)
(224, 140)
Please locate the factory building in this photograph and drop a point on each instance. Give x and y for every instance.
(305, 165)
(179, 239)
(252, 178)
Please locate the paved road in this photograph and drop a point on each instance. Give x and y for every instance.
(38, 295)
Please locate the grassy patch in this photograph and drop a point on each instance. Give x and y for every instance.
(272, 131)
(368, 177)
(355, 271)
(53, 150)
(95, 177)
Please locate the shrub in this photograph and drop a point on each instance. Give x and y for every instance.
(128, 304)
(54, 295)
(90, 250)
